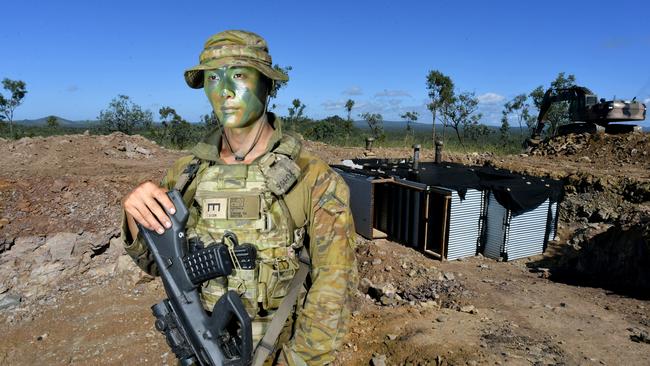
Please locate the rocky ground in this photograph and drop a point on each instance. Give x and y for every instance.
(70, 295)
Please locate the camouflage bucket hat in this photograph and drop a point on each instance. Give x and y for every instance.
(233, 48)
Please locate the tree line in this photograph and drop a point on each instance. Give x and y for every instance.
(454, 109)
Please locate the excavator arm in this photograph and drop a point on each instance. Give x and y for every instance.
(574, 94)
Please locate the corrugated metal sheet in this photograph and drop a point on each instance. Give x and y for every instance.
(436, 220)
(527, 233)
(495, 228)
(552, 220)
(361, 201)
(464, 224)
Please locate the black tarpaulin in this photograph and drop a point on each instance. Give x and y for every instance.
(518, 196)
(457, 177)
(452, 176)
(519, 193)
(516, 192)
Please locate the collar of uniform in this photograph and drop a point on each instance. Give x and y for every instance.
(209, 147)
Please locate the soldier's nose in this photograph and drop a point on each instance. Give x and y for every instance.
(227, 93)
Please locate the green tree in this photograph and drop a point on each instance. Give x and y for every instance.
(295, 114)
(330, 129)
(376, 123)
(52, 122)
(209, 121)
(558, 113)
(8, 105)
(441, 93)
(476, 131)
(178, 130)
(348, 107)
(504, 131)
(520, 108)
(124, 116)
(278, 84)
(461, 113)
(349, 125)
(410, 117)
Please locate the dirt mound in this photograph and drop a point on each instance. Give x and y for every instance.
(334, 155)
(51, 156)
(400, 276)
(72, 182)
(633, 148)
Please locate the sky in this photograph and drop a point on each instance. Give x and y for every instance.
(76, 56)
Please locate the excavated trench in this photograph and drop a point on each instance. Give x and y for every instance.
(605, 215)
(607, 241)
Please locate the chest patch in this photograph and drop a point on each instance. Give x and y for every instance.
(246, 207)
(215, 208)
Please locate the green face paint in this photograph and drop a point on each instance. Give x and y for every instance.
(237, 95)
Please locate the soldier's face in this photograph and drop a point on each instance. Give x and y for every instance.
(237, 94)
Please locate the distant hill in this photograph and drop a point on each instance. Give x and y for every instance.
(393, 126)
(363, 125)
(396, 125)
(425, 127)
(62, 122)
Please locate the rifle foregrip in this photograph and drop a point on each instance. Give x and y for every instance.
(206, 264)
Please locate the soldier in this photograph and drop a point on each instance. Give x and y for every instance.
(255, 180)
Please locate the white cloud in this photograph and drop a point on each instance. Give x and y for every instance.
(336, 105)
(353, 90)
(646, 101)
(490, 98)
(393, 93)
(390, 109)
(491, 114)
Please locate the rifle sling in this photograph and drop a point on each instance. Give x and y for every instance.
(187, 176)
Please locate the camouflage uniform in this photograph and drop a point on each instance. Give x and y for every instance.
(319, 201)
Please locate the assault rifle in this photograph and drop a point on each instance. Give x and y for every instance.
(196, 337)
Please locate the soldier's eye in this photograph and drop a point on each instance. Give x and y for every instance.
(213, 77)
(238, 76)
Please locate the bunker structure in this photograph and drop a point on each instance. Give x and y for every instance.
(451, 211)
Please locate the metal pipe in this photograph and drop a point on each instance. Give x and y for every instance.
(369, 141)
(416, 156)
(438, 151)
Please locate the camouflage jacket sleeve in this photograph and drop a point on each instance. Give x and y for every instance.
(136, 248)
(323, 321)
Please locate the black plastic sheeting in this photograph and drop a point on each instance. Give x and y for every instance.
(516, 192)
(520, 193)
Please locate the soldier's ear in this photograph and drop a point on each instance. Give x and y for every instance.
(270, 84)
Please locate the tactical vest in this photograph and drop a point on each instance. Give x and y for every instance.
(249, 201)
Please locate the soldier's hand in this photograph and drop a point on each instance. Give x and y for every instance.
(145, 205)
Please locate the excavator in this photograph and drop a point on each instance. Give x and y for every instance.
(587, 113)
